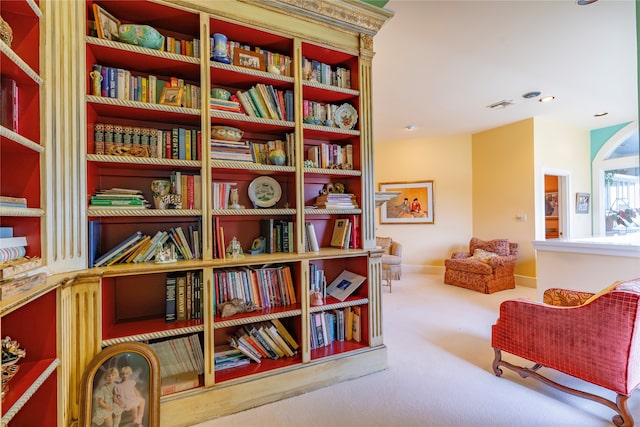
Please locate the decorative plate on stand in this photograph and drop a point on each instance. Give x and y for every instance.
(264, 192)
(346, 117)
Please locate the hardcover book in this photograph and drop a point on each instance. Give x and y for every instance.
(340, 228)
(345, 284)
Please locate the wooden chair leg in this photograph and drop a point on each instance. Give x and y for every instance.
(623, 419)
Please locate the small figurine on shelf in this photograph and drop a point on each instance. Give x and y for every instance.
(235, 306)
(233, 199)
(316, 298)
(259, 246)
(165, 255)
(11, 353)
(220, 52)
(234, 250)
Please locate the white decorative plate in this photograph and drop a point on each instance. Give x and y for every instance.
(346, 116)
(264, 191)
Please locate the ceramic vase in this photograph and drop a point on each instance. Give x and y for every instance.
(141, 35)
(277, 157)
(220, 52)
(160, 189)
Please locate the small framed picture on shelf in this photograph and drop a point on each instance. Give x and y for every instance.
(248, 59)
(107, 25)
(414, 204)
(582, 203)
(130, 371)
(172, 96)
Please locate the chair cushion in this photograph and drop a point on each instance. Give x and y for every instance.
(498, 246)
(482, 255)
(384, 243)
(391, 260)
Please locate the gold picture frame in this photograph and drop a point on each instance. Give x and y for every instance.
(248, 59)
(172, 96)
(138, 367)
(107, 25)
(414, 204)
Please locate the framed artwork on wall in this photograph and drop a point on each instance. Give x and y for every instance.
(582, 203)
(121, 386)
(414, 204)
(551, 204)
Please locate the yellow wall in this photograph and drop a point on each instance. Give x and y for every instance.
(482, 184)
(503, 185)
(446, 162)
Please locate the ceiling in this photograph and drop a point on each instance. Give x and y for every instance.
(438, 64)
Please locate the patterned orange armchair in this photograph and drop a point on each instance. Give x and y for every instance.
(488, 266)
(595, 338)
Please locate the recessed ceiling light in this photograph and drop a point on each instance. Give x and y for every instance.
(533, 94)
(410, 127)
(585, 2)
(547, 98)
(604, 113)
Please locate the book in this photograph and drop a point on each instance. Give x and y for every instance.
(9, 104)
(312, 239)
(11, 242)
(118, 249)
(16, 286)
(340, 228)
(170, 299)
(18, 266)
(179, 382)
(356, 324)
(345, 284)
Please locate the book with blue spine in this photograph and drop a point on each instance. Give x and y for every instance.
(118, 249)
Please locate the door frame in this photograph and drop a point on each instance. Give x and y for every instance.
(564, 203)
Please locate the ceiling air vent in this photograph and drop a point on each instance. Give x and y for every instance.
(500, 104)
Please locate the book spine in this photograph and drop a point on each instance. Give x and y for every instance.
(181, 295)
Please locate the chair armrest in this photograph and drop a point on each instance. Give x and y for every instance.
(396, 249)
(565, 297)
(502, 260)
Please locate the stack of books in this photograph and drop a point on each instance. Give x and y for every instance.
(13, 202)
(337, 201)
(119, 198)
(11, 247)
(231, 150)
(227, 357)
(224, 105)
(181, 362)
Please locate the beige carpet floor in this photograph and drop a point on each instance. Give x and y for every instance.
(439, 374)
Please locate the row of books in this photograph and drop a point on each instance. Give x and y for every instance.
(175, 143)
(319, 112)
(331, 156)
(9, 111)
(13, 202)
(221, 192)
(11, 247)
(317, 71)
(21, 274)
(183, 296)
(264, 340)
(278, 234)
(179, 355)
(189, 187)
(264, 101)
(264, 287)
(122, 84)
(282, 61)
(335, 325)
(182, 47)
(142, 248)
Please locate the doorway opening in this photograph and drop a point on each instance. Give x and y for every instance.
(555, 205)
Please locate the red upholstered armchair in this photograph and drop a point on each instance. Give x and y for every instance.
(596, 340)
(487, 267)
